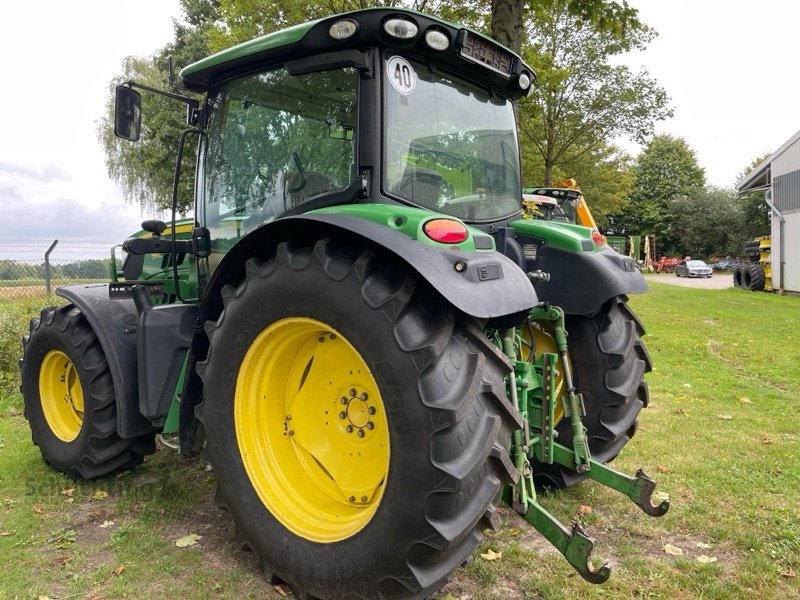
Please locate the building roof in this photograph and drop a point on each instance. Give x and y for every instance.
(760, 176)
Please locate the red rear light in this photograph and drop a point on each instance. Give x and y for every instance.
(446, 231)
(597, 238)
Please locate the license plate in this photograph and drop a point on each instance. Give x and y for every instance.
(482, 52)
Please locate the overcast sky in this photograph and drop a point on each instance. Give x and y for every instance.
(730, 69)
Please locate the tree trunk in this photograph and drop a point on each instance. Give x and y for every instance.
(507, 23)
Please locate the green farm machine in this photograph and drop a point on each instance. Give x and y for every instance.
(357, 327)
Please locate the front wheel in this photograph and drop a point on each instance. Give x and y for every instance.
(609, 360)
(69, 398)
(357, 425)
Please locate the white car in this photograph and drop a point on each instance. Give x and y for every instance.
(693, 268)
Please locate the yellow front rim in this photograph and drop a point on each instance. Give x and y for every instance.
(543, 341)
(61, 395)
(311, 429)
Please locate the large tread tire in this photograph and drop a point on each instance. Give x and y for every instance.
(449, 420)
(738, 277)
(756, 277)
(609, 361)
(97, 449)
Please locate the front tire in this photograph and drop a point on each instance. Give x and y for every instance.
(70, 401)
(313, 346)
(609, 360)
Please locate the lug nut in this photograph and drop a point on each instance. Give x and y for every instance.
(360, 433)
(343, 400)
(370, 425)
(363, 396)
(342, 415)
(371, 410)
(288, 417)
(363, 498)
(352, 392)
(322, 339)
(349, 429)
(332, 336)
(352, 498)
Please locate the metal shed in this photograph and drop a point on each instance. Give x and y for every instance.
(779, 176)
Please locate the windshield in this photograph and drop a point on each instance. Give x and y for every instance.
(695, 263)
(449, 146)
(273, 141)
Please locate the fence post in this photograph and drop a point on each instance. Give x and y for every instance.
(47, 266)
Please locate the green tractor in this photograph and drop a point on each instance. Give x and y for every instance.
(358, 327)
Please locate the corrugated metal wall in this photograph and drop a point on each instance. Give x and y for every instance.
(786, 178)
(786, 196)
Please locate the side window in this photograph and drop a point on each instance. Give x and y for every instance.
(273, 141)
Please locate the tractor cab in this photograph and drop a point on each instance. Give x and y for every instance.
(555, 204)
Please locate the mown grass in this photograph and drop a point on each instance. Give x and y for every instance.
(720, 435)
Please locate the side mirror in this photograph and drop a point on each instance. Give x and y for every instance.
(127, 113)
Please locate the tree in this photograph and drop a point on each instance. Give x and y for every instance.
(665, 170)
(581, 101)
(708, 222)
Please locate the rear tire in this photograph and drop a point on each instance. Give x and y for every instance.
(70, 401)
(435, 388)
(738, 277)
(609, 360)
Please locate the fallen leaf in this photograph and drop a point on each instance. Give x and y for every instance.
(725, 417)
(512, 532)
(583, 509)
(6, 533)
(705, 559)
(687, 385)
(788, 573)
(662, 469)
(119, 570)
(189, 540)
(745, 400)
(106, 524)
(492, 555)
(61, 560)
(683, 411)
(42, 598)
(703, 545)
(13, 412)
(37, 508)
(283, 589)
(673, 550)
(68, 492)
(99, 495)
(767, 439)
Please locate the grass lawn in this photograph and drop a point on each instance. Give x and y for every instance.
(721, 437)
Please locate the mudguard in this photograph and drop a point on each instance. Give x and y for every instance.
(114, 322)
(580, 282)
(485, 285)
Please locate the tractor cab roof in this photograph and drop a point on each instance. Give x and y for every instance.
(557, 194)
(318, 44)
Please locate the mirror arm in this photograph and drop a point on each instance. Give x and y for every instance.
(191, 102)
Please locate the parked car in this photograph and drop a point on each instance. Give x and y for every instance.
(693, 268)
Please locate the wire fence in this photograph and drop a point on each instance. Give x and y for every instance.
(33, 269)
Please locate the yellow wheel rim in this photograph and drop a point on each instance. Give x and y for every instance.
(543, 341)
(311, 429)
(61, 395)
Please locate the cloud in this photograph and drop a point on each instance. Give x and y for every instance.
(66, 218)
(45, 174)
